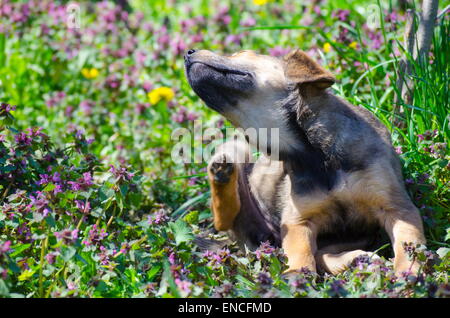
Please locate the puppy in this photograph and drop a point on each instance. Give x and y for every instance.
(336, 179)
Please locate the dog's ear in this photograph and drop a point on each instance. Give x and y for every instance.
(302, 69)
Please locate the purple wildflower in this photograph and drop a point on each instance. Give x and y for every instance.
(81, 184)
(337, 287)
(183, 285)
(186, 25)
(178, 46)
(22, 139)
(50, 257)
(249, 22)
(376, 38)
(95, 236)
(86, 106)
(112, 81)
(197, 38)
(264, 248)
(125, 248)
(341, 15)
(216, 259)
(278, 51)
(183, 115)
(172, 258)
(84, 207)
(67, 236)
(233, 39)
(121, 174)
(40, 203)
(158, 217)
(5, 109)
(5, 247)
(264, 279)
(45, 179)
(147, 86)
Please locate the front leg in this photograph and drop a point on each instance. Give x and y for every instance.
(299, 244)
(403, 225)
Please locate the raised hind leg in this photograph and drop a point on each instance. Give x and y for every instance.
(223, 174)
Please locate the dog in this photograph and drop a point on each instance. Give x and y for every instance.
(338, 184)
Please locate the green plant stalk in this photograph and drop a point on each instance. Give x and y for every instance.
(111, 217)
(41, 266)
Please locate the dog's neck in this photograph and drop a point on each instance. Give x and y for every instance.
(298, 109)
(305, 163)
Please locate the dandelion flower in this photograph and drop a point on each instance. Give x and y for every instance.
(89, 73)
(327, 47)
(157, 94)
(260, 2)
(353, 45)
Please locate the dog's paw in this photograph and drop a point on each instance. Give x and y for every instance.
(221, 168)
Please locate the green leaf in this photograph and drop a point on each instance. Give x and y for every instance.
(443, 252)
(181, 231)
(27, 274)
(67, 253)
(191, 217)
(124, 189)
(245, 281)
(50, 221)
(153, 271)
(49, 187)
(167, 281)
(4, 291)
(190, 203)
(19, 248)
(447, 236)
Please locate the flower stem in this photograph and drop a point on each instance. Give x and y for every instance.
(112, 217)
(41, 263)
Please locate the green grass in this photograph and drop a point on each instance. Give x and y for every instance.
(58, 193)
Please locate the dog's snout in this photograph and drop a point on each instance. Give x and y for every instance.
(189, 54)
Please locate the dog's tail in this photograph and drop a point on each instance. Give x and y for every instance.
(206, 244)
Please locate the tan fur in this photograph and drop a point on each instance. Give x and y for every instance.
(374, 194)
(299, 244)
(225, 202)
(339, 262)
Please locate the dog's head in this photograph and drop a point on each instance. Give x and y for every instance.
(250, 89)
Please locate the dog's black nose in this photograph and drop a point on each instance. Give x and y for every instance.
(188, 55)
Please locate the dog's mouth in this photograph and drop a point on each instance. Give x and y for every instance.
(217, 84)
(219, 68)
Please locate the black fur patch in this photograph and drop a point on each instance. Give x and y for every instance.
(308, 166)
(216, 87)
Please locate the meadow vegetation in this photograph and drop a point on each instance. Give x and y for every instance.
(92, 204)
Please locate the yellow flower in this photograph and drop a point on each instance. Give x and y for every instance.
(160, 93)
(260, 2)
(327, 47)
(89, 73)
(27, 274)
(353, 45)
